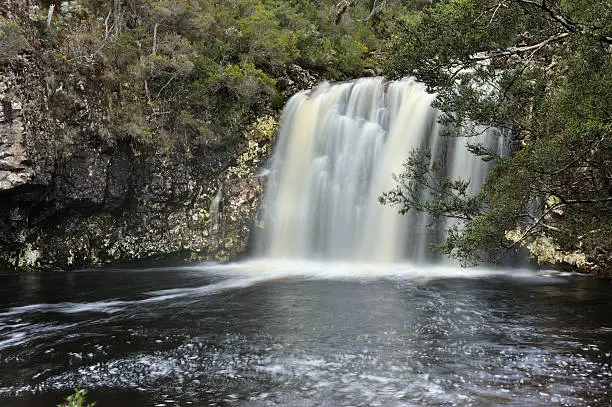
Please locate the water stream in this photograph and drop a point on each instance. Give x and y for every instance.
(306, 334)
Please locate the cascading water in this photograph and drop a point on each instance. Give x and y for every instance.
(338, 148)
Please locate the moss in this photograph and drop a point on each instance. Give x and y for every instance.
(264, 129)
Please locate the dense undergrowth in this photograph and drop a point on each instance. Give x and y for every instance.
(187, 74)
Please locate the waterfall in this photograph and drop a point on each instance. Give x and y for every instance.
(338, 148)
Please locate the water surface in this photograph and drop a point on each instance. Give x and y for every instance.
(306, 334)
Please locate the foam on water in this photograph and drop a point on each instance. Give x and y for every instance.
(245, 274)
(271, 269)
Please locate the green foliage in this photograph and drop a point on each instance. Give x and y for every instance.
(78, 399)
(269, 44)
(445, 197)
(540, 70)
(186, 75)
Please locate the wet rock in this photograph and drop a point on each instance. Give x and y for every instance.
(14, 160)
(295, 80)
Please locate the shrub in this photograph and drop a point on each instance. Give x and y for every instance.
(78, 399)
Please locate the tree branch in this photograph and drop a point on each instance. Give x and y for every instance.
(569, 24)
(155, 38)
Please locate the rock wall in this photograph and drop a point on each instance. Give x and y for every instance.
(14, 160)
(113, 203)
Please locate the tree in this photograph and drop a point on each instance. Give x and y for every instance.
(183, 75)
(539, 69)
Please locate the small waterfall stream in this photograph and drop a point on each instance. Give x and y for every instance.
(338, 148)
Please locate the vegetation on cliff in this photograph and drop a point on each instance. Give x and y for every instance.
(540, 69)
(190, 74)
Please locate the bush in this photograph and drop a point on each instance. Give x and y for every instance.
(78, 399)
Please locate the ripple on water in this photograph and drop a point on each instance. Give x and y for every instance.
(257, 371)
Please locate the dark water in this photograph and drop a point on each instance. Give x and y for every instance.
(306, 335)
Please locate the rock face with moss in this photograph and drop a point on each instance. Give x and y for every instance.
(113, 202)
(106, 203)
(73, 197)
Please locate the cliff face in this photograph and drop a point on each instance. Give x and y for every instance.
(91, 199)
(111, 202)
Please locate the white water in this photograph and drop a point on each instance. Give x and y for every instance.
(338, 148)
